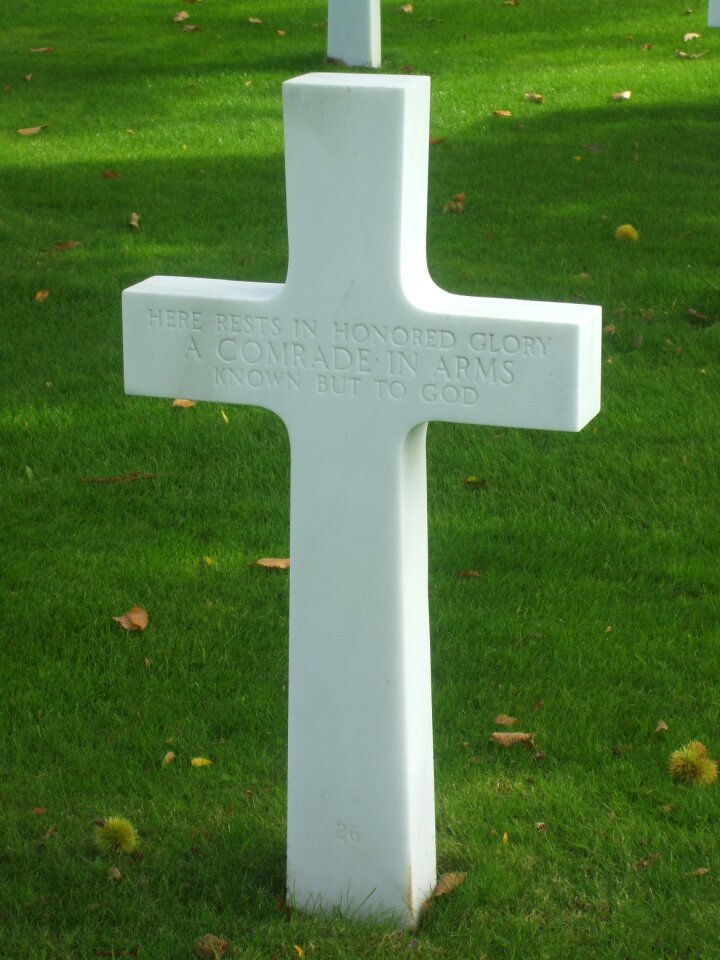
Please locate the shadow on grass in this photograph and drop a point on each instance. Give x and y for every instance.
(544, 194)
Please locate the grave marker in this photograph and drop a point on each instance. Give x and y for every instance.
(356, 352)
(714, 13)
(354, 32)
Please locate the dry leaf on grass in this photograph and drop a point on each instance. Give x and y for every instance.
(404, 8)
(469, 574)
(191, 28)
(272, 563)
(534, 98)
(41, 296)
(66, 244)
(502, 113)
(661, 726)
(503, 720)
(201, 762)
(111, 174)
(626, 231)
(647, 861)
(476, 483)
(690, 36)
(210, 947)
(179, 17)
(134, 221)
(183, 404)
(168, 758)
(684, 55)
(31, 131)
(699, 872)
(41, 49)
(622, 95)
(512, 739)
(254, 20)
(447, 883)
(135, 619)
(456, 205)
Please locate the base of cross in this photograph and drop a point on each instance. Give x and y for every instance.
(714, 13)
(356, 352)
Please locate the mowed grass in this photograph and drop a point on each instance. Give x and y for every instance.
(595, 614)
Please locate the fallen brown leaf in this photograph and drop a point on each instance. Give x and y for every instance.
(191, 28)
(647, 861)
(447, 883)
(28, 77)
(502, 113)
(111, 174)
(135, 619)
(683, 55)
(31, 131)
(114, 874)
(254, 20)
(168, 758)
(183, 404)
(622, 95)
(41, 296)
(511, 739)
(404, 8)
(134, 221)
(281, 33)
(210, 947)
(41, 49)
(434, 141)
(503, 720)
(179, 17)
(534, 98)
(39, 811)
(455, 205)
(272, 563)
(66, 244)
(690, 36)
(476, 483)
(469, 574)
(661, 725)
(699, 872)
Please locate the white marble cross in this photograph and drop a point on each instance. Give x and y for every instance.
(714, 13)
(356, 352)
(353, 34)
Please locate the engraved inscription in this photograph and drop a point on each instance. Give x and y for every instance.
(346, 834)
(443, 365)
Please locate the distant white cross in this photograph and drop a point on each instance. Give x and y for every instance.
(714, 13)
(354, 32)
(356, 352)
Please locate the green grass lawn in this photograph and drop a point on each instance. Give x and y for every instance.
(596, 611)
